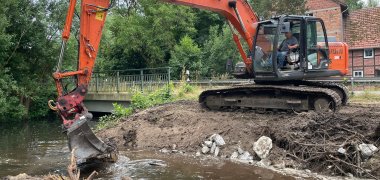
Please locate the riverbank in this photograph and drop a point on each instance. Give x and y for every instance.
(308, 142)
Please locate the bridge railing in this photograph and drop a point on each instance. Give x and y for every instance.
(131, 80)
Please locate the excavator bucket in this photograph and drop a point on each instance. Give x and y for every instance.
(88, 147)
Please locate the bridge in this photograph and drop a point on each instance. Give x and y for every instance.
(110, 87)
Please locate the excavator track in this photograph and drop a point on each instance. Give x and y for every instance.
(272, 97)
(339, 88)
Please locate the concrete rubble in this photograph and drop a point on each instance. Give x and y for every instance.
(368, 150)
(213, 145)
(262, 147)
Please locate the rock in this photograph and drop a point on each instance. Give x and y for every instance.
(280, 165)
(164, 150)
(350, 175)
(174, 146)
(262, 147)
(240, 150)
(216, 153)
(245, 156)
(218, 139)
(234, 155)
(208, 143)
(211, 138)
(212, 150)
(174, 151)
(264, 163)
(245, 161)
(198, 153)
(307, 170)
(205, 149)
(341, 150)
(367, 150)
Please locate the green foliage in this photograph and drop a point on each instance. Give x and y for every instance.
(354, 4)
(144, 37)
(29, 47)
(184, 89)
(143, 101)
(269, 8)
(186, 56)
(11, 109)
(139, 101)
(218, 49)
(118, 112)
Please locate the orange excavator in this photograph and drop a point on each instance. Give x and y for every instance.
(279, 85)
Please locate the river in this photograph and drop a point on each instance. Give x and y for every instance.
(40, 148)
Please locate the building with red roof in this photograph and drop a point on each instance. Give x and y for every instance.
(360, 29)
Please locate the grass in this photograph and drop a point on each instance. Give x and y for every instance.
(365, 97)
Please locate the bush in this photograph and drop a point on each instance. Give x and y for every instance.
(139, 101)
(184, 89)
(143, 101)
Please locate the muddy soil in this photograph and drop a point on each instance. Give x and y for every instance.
(301, 140)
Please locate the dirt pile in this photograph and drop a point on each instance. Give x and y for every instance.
(326, 143)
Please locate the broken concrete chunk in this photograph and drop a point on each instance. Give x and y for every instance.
(218, 139)
(211, 138)
(205, 149)
(216, 153)
(367, 150)
(262, 147)
(198, 153)
(164, 150)
(264, 163)
(240, 150)
(341, 150)
(234, 155)
(245, 156)
(208, 143)
(212, 150)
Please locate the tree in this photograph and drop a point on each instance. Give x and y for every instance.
(32, 30)
(186, 56)
(269, 8)
(354, 4)
(218, 49)
(11, 109)
(144, 37)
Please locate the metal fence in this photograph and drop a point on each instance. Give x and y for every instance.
(131, 80)
(151, 79)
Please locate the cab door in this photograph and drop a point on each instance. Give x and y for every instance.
(316, 46)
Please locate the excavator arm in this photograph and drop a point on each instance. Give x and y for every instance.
(69, 105)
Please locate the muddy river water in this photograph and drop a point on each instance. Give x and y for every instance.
(39, 148)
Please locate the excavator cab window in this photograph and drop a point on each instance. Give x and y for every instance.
(262, 59)
(270, 42)
(317, 47)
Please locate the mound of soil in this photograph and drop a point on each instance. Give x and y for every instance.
(301, 140)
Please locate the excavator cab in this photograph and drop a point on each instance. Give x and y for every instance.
(307, 58)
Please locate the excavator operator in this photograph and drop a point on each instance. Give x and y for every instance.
(289, 43)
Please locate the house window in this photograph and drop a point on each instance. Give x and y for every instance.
(368, 53)
(377, 73)
(358, 73)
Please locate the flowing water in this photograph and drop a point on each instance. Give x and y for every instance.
(39, 148)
